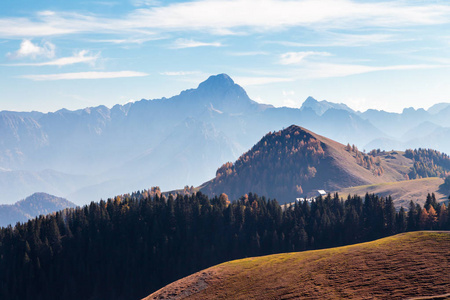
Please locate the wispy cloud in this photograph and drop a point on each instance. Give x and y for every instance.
(185, 43)
(105, 3)
(357, 40)
(288, 93)
(275, 14)
(318, 70)
(131, 40)
(292, 58)
(249, 53)
(84, 75)
(180, 73)
(146, 2)
(23, 27)
(29, 50)
(227, 17)
(330, 39)
(248, 81)
(80, 57)
(328, 70)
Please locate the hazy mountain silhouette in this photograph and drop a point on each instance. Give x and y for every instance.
(320, 107)
(32, 206)
(98, 151)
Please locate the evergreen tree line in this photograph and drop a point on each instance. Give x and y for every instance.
(428, 163)
(132, 245)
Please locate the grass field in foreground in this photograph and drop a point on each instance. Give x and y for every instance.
(403, 266)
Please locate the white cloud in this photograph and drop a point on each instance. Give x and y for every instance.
(249, 53)
(136, 40)
(80, 57)
(29, 50)
(180, 73)
(345, 40)
(247, 81)
(359, 103)
(105, 3)
(229, 16)
(84, 75)
(185, 43)
(22, 27)
(292, 58)
(327, 70)
(356, 40)
(290, 102)
(288, 93)
(146, 2)
(46, 13)
(276, 14)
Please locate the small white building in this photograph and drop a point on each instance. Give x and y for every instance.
(312, 196)
(305, 199)
(321, 193)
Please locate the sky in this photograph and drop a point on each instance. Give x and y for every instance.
(367, 54)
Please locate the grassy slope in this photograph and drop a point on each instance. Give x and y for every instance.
(403, 266)
(395, 165)
(392, 182)
(402, 191)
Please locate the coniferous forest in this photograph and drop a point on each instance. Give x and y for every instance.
(132, 245)
(428, 163)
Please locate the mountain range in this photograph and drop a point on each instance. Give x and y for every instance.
(99, 152)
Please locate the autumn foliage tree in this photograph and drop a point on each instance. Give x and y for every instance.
(428, 163)
(369, 161)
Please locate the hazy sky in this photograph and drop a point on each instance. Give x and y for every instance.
(367, 54)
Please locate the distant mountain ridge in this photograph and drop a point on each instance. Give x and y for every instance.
(32, 206)
(320, 107)
(99, 152)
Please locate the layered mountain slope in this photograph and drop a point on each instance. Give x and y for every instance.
(294, 162)
(320, 107)
(103, 146)
(194, 132)
(394, 123)
(32, 206)
(411, 128)
(405, 266)
(187, 155)
(20, 136)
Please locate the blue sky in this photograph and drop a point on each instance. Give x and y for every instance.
(367, 54)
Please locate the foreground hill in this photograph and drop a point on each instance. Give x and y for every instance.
(133, 245)
(398, 267)
(294, 162)
(32, 206)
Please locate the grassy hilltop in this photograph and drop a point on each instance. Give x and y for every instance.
(407, 265)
